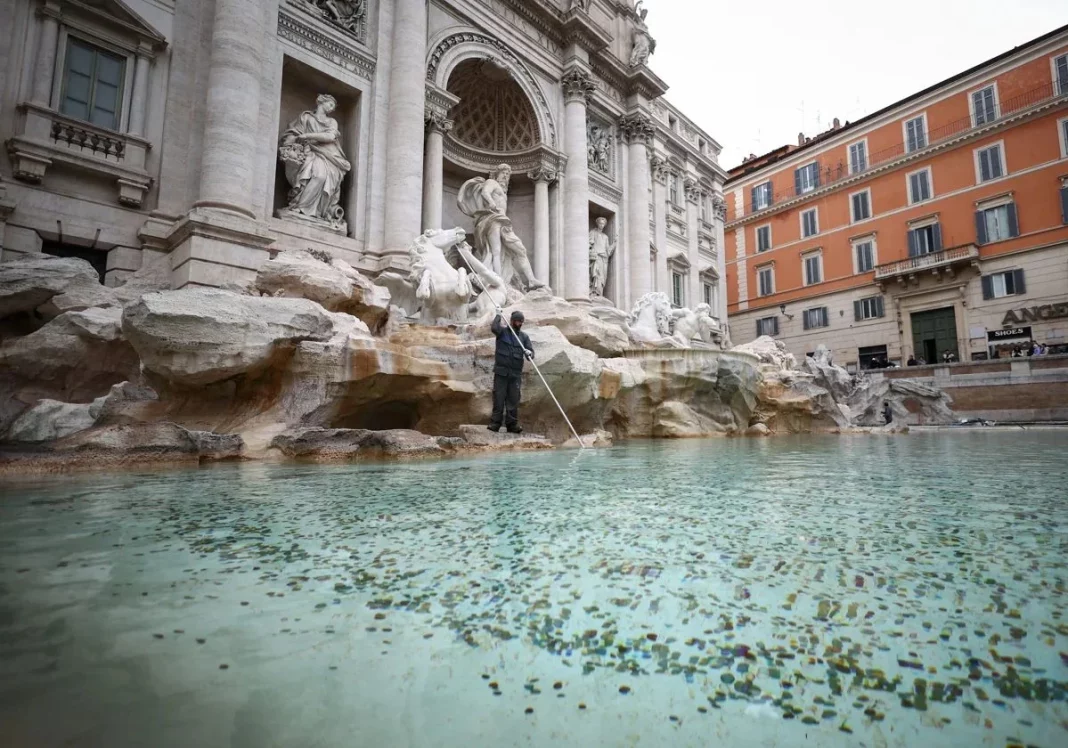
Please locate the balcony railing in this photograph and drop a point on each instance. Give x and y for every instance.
(832, 173)
(931, 261)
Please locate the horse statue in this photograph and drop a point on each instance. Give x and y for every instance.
(442, 290)
(650, 321)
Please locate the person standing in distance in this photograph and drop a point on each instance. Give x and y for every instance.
(513, 346)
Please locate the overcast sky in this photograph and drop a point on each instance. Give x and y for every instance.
(754, 74)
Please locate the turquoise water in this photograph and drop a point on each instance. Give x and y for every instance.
(839, 591)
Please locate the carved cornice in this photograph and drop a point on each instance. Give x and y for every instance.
(578, 85)
(540, 156)
(637, 128)
(580, 29)
(354, 26)
(601, 188)
(644, 82)
(719, 208)
(331, 48)
(438, 105)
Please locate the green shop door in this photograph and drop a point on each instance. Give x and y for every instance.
(933, 333)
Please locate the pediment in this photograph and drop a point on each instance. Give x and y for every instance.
(115, 13)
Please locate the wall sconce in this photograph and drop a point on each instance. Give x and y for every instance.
(782, 311)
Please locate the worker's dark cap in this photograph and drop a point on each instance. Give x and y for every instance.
(517, 316)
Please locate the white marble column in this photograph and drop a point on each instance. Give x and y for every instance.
(139, 102)
(694, 295)
(578, 85)
(231, 129)
(44, 66)
(719, 214)
(404, 145)
(433, 170)
(659, 168)
(637, 130)
(541, 177)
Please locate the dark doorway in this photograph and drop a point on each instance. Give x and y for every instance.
(934, 332)
(98, 258)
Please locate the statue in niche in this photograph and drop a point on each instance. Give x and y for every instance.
(348, 14)
(315, 166)
(599, 147)
(580, 5)
(486, 201)
(644, 44)
(601, 251)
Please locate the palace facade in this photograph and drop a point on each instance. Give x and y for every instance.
(137, 129)
(936, 227)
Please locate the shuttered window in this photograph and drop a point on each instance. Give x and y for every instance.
(92, 84)
(865, 256)
(984, 106)
(925, 240)
(817, 317)
(1061, 66)
(919, 186)
(763, 236)
(915, 135)
(806, 179)
(765, 281)
(761, 196)
(869, 308)
(813, 269)
(858, 157)
(999, 285)
(809, 223)
(1064, 205)
(996, 224)
(990, 163)
(767, 326)
(861, 206)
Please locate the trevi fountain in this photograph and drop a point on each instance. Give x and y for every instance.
(223, 395)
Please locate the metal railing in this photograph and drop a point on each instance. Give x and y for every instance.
(928, 261)
(832, 173)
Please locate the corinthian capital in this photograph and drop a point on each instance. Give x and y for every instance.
(578, 85)
(719, 207)
(437, 122)
(693, 190)
(636, 128)
(542, 174)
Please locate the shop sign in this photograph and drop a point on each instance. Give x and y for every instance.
(1009, 333)
(1035, 313)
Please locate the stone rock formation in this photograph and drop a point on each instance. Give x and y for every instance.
(161, 375)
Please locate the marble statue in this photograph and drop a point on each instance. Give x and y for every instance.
(443, 290)
(493, 291)
(599, 148)
(650, 321)
(696, 324)
(644, 44)
(348, 14)
(579, 5)
(315, 165)
(601, 250)
(486, 201)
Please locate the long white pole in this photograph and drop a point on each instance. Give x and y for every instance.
(517, 340)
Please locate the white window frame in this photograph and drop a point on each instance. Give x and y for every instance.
(771, 274)
(707, 292)
(1000, 145)
(761, 319)
(997, 102)
(805, 257)
(864, 318)
(801, 219)
(1002, 274)
(816, 186)
(681, 302)
(88, 37)
(1053, 72)
(905, 132)
(1062, 135)
(930, 185)
(871, 210)
(811, 326)
(993, 204)
(768, 203)
(854, 243)
(849, 155)
(756, 238)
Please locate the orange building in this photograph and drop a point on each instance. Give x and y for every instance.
(935, 227)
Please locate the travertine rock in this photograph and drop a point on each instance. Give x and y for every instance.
(834, 379)
(771, 352)
(199, 336)
(79, 297)
(108, 447)
(578, 325)
(905, 396)
(50, 419)
(332, 444)
(77, 356)
(26, 284)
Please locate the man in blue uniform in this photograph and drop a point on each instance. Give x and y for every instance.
(513, 346)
